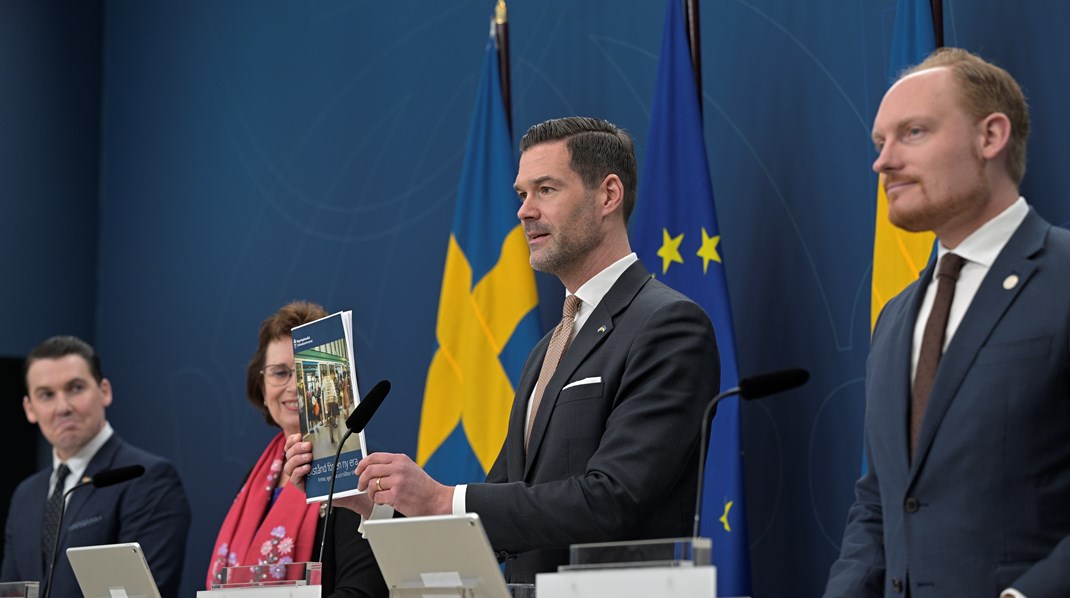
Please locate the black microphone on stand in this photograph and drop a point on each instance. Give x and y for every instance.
(754, 387)
(354, 423)
(108, 477)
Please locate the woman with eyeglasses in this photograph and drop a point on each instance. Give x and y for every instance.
(269, 523)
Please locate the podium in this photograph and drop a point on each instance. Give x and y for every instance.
(439, 555)
(18, 589)
(671, 568)
(290, 580)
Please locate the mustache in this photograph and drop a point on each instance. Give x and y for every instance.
(536, 229)
(888, 181)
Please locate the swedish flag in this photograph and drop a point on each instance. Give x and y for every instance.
(677, 234)
(900, 256)
(487, 321)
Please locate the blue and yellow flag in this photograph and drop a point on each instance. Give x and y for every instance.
(899, 256)
(676, 235)
(487, 321)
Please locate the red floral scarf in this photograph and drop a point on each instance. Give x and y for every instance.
(254, 535)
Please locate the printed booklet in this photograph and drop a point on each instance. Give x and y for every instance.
(327, 392)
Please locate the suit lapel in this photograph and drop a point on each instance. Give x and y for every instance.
(900, 380)
(34, 520)
(518, 420)
(79, 498)
(595, 331)
(988, 306)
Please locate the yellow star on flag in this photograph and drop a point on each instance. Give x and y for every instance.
(708, 251)
(670, 250)
(724, 518)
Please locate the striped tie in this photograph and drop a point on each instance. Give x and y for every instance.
(51, 523)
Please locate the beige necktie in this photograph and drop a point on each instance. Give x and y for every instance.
(558, 344)
(932, 343)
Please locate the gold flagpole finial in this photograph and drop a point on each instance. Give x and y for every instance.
(499, 13)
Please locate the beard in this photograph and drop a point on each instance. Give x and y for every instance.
(929, 214)
(569, 244)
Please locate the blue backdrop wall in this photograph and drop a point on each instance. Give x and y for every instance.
(245, 153)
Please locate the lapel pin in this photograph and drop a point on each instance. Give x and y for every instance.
(602, 328)
(1010, 282)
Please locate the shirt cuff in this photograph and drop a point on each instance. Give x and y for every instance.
(459, 493)
(378, 512)
(1012, 592)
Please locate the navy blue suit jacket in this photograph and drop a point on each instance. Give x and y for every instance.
(985, 505)
(611, 460)
(151, 510)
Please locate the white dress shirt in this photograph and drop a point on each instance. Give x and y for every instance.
(78, 463)
(980, 251)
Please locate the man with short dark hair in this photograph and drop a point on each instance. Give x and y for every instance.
(968, 378)
(66, 397)
(603, 438)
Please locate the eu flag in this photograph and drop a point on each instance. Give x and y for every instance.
(487, 321)
(676, 233)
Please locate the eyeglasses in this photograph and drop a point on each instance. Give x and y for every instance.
(277, 375)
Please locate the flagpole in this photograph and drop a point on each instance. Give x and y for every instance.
(938, 22)
(501, 37)
(693, 41)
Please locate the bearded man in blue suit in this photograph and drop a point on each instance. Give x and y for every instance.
(967, 414)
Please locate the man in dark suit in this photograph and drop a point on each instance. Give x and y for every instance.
(968, 379)
(66, 398)
(604, 446)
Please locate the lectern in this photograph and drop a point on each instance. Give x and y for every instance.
(440, 555)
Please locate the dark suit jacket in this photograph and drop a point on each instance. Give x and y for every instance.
(986, 503)
(612, 460)
(151, 510)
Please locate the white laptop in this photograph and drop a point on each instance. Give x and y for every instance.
(112, 571)
(441, 551)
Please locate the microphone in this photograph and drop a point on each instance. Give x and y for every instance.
(356, 422)
(754, 387)
(366, 409)
(763, 385)
(108, 477)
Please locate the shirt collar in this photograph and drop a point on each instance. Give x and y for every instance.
(984, 244)
(78, 463)
(592, 291)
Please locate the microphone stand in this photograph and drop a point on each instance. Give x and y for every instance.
(354, 423)
(754, 387)
(330, 490)
(707, 417)
(59, 532)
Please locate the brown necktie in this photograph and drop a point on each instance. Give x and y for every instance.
(558, 344)
(932, 342)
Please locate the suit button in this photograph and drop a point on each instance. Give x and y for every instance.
(911, 505)
(897, 585)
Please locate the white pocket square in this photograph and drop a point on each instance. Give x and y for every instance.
(594, 380)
